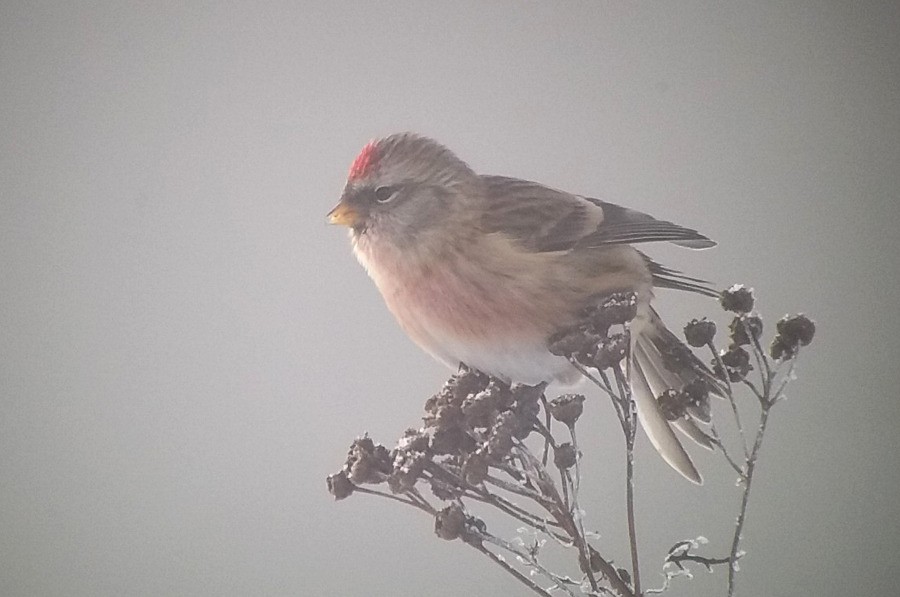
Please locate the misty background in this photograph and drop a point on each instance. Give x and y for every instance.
(187, 349)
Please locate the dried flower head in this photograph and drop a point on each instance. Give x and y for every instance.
(367, 462)
(609, 352)
(573, 341)
(781, 349)
(699, 332)
(738, 299)
(745, 328)
(615, 309)
(672, 404)
(478, 407)
(444, 490)
(565, 455)
(796, 329)
(475, 469)
(678, 357)
(445, 412)
(452, 440)
(696, 393)
(737, 363)
(409, 459)
(339, 485)
(414, 440)
(500, 440)
(408, 467)
(567, 408)
(582, 339)
(450, 523)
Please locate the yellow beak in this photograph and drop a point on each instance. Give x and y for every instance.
(344, 215)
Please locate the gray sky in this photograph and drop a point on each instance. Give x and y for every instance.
(186, 349)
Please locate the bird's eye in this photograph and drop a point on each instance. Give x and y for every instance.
(385, 194)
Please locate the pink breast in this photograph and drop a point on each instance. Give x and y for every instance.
(465, 304)
(477, 311)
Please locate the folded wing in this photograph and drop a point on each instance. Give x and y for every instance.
(542, 219)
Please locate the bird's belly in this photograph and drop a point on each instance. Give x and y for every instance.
(515, 360)
(497, 313)
(497, 330)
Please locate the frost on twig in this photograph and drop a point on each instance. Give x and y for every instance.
(470, 464)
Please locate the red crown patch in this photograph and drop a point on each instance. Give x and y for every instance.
(363, 162)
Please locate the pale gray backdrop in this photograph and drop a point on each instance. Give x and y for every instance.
(186, 348)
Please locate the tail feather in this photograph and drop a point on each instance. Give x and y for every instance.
(652, 373)
(690, 429)
(654, 348)
(654, 422)
(665, 380)
(664, 340)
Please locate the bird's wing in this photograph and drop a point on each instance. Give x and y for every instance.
(539, 218)
(664, 277)
(544, 219)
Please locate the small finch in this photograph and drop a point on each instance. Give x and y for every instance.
(483, 270)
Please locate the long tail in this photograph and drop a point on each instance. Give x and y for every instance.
(651, 375)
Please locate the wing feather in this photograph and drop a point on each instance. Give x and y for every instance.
(540, 218)
(664, 277)
(544, 219)
(622, 225)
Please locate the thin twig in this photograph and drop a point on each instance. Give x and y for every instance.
(424, 507)
(742, 514)
(768, 369)
(512, 570)
(547, 424)
(525, 558)
(520, 490)
(577, 483)
(560, 512)
(485, 496)
(583, 370)
(754, 389)
(784, 382)
(707, 562)
(546, 434)
(629, 477)
(717, 441)
(729, 390)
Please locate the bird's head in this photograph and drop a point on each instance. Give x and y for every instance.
(403, 186)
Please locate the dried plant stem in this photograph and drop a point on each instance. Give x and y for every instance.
(511, 569)
(706, 562)
(548, 437)
(520, 490)
(420, 503)
(600, 384)
(730, 394)
(612, 576)
(625, 410)
(560, 511)
(742, 515)
(629, 427)
(632, 532)
(576, 483)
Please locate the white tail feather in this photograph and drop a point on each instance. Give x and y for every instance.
(690, 429)
(658, 430)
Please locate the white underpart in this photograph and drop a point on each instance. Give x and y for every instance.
(528, 363)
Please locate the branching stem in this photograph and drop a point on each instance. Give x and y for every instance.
(521, 577)
(745, 499)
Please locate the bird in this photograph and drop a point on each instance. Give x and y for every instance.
(482, 270)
